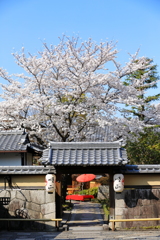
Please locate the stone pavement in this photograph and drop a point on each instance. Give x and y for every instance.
(89, 234)
(86, 214)
(86, 222)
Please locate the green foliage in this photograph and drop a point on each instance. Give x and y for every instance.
(71, 99)
(67, 206)
(105, 206)
(152, 75)
(146, 150)
(151, 79)
(73, 116)
(91, 191)
(94, 200)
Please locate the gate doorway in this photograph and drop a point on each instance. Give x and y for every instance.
(85, 157)
(84, 209)
(61, 185)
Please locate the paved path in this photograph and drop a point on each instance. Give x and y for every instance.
(86, 214)
(85, 224)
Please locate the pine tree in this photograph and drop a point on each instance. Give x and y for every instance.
(150, 82)
(146, 149)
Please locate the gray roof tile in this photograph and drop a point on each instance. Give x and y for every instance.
(13, 140)
(152, 168)
(85, 153)
(26, 170)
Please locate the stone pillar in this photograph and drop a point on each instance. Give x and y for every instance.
(119, 208)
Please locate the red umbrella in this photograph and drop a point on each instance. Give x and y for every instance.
(85, 178)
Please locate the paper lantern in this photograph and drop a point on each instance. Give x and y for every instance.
(49, 179)
(118, 182)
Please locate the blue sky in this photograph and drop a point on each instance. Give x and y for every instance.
(133, 24)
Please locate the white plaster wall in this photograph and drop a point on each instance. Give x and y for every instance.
(10, 159)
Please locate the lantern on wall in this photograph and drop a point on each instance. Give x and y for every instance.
(49, 179)
(118, 182)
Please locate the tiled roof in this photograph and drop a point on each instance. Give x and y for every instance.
(16, 140)
(36, 147)
(93, 133)
(141, 168)
(26, 170)
(85, 153)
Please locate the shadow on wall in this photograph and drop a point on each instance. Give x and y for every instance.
(20, 208)
(17, 225)
(131, 196)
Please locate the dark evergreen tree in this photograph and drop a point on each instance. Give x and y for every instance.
(149, 83)
(146, 150)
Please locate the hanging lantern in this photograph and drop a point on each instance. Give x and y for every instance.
(49, 179)
(118, 182)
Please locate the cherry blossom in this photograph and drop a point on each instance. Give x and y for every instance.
(69, 87)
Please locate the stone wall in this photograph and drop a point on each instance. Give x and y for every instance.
(137, 203)
(29, 204)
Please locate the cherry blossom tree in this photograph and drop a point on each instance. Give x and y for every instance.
(67, 88)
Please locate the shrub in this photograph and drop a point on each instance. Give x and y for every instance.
(91, 191)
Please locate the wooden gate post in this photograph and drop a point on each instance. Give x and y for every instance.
(111, 196)
(58, 196)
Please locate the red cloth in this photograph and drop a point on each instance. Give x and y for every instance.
(78, 197)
